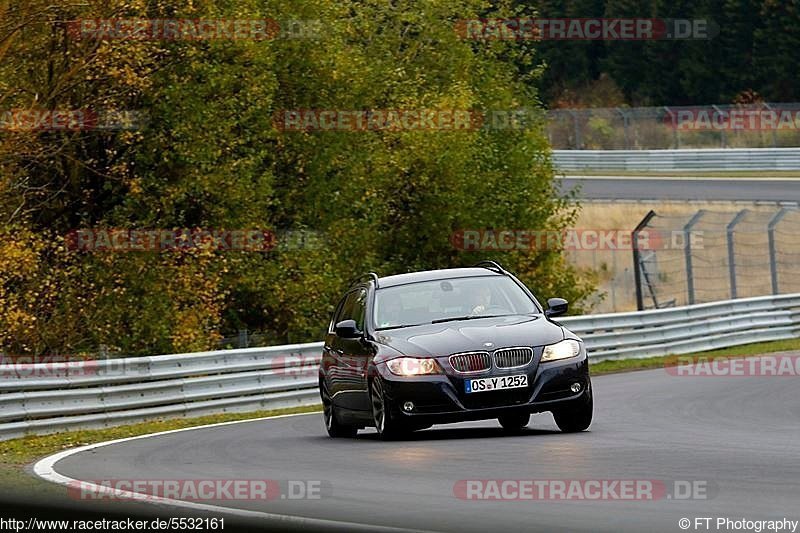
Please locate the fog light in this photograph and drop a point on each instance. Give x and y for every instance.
(576, 388)
(408, 406)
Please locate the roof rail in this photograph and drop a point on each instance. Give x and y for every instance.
(491, 265)
(371, 275)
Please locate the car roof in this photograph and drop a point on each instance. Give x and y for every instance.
(433, 275)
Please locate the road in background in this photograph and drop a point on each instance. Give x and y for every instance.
(679, 188)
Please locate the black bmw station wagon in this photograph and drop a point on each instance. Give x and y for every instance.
(408, 351)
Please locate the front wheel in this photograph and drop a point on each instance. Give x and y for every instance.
(576, 417)
(332, 425)
(387, 425)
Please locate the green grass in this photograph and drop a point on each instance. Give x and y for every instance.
(649, 363)
(690, 173)
(17, 454)
(25, 449)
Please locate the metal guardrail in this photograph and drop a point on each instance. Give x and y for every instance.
(52, 397)
(688, 329)
(678, 160)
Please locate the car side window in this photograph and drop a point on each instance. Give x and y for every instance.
(354, 308)
(337, 314)
(360, 308)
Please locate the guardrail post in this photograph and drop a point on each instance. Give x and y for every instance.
(637, 268)
(687, 248)
(676, 134)
(578, 141)
(625, 124)
(722, 137)
(774, 134)
(773, 262)
(731, 255)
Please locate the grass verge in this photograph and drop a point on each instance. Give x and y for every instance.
(649, 363)
(16, 454)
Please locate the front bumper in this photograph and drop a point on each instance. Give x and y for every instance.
(442, 398)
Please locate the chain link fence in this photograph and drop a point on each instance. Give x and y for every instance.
(714, 256)
(766, 125)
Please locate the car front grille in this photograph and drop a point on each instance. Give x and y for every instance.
(471, 362)
(513, 357)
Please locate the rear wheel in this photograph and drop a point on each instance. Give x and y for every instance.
(332, 425)
(387, 425)
(575, 417)
(514, 421)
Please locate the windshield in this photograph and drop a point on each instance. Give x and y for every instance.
(452, 299)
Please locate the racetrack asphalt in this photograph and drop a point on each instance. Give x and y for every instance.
(737, 435)
(703, 189)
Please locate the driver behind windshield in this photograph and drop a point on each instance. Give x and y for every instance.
(481, 300)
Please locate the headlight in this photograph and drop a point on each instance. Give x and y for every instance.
(413, 366)
(563, 350)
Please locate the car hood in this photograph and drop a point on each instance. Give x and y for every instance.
(470, 335)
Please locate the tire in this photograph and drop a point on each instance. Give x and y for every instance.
(514, 422)
(577, 417)
(335, 429)
(388, 427)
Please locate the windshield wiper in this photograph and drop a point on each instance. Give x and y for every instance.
(400, 326)
(468, 317)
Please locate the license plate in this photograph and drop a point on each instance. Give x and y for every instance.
(498, 383)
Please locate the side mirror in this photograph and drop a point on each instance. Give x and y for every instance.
(556, 307)
(347, 329)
